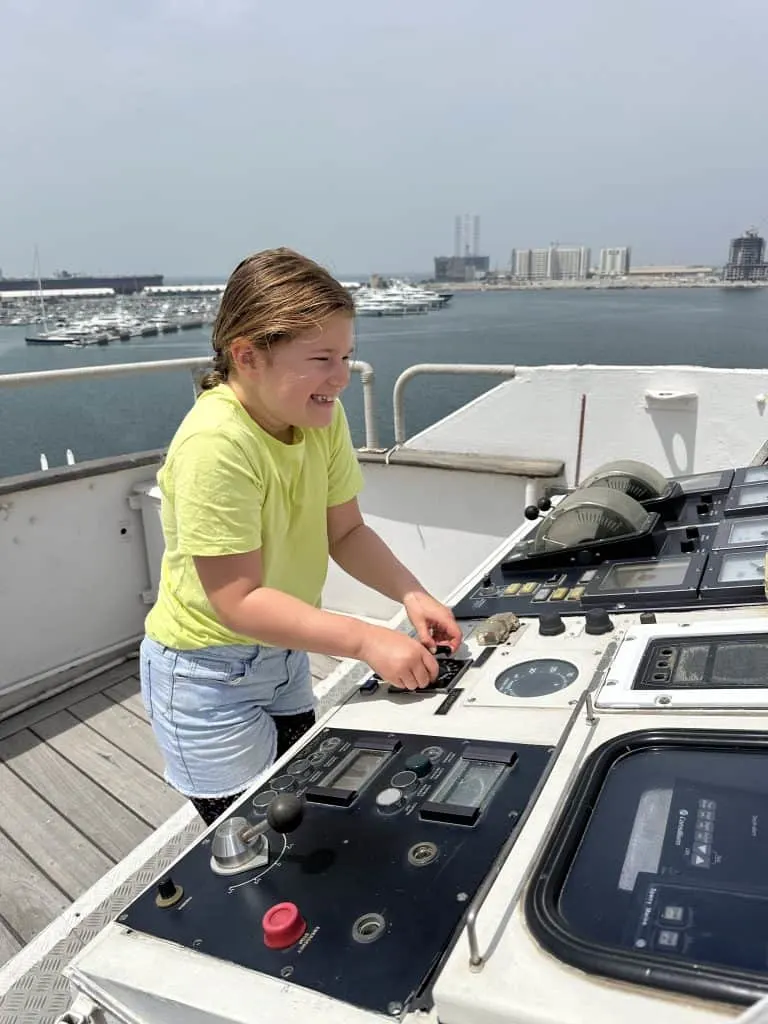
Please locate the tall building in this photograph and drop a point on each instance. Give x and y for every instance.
(461, 268)
(466, 264)
(746, 258)
(556, 263)
(615, 262)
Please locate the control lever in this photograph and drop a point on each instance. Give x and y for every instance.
(239, 846)
(284, 814)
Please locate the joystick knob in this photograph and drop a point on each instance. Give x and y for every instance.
(531, 512)
(598, 621)
(551, 624)
(285, 813)
(544, 504)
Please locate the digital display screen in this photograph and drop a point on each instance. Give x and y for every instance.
(755, 474)
(757, 495)
(749, 531)
(646, 575)
(705, 482)
(469, 783)
(643, 853)
(355, 770)
(746, 567)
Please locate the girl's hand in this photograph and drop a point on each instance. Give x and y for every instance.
(433, 622)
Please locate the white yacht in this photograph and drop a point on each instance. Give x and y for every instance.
(571, 826)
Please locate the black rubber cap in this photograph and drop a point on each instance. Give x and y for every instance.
(166, 889)
(420, 764)
(648, 618)
(551, 624)
(285, 812)
(531, 512)
(544, 504)
(598, 622)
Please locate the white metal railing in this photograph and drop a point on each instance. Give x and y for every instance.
(398, 412)
(27, 379)
(197, 363)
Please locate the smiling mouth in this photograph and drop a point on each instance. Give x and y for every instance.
(323, 399)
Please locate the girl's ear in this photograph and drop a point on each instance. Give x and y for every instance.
(244, 356)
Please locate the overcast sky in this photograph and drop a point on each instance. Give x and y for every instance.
(178, 135)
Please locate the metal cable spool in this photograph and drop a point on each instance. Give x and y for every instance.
(590, 514)
(637, 479)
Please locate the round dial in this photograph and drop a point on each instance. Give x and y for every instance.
(536, 678)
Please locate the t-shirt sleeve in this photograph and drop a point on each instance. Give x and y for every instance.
(216, 497)
(345, 478)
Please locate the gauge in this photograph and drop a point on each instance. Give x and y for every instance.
(757, 494)
(749, 531)
(748, 566)
(536, 678)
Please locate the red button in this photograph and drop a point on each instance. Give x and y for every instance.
(283, 925)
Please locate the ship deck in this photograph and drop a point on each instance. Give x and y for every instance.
(81, 789)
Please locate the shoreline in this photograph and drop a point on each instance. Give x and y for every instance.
(586, 286)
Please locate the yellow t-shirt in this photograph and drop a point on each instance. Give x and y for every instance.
(229, 487)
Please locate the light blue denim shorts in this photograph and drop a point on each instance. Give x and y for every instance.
(211, 711)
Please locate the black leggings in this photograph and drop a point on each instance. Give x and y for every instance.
(289, 729)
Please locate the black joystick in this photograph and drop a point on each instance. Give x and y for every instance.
(285, 813)
(551, 624)
(544, 504)
(598, 621)
(531, 512)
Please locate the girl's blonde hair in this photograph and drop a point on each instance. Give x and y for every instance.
(271, 297)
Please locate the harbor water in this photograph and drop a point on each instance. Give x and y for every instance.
(100, 417)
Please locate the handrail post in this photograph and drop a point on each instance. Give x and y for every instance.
(369, 404)
(460, 369)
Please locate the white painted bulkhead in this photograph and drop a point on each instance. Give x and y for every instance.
(679, 419)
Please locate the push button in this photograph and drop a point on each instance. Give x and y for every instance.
(283, 925)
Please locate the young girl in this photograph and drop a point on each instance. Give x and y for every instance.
(258, 488)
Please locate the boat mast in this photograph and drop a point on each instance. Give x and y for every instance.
(36, 273)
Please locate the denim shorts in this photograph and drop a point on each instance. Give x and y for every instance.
(211, 711)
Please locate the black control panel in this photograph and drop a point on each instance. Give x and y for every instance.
(707, 549)
(363, 897)
(715, 662)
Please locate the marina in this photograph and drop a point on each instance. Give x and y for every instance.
(98, 317)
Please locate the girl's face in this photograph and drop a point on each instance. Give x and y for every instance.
(297, 383)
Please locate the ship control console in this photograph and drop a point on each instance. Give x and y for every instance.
(571, 824)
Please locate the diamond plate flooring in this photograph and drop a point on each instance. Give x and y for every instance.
(43, 993)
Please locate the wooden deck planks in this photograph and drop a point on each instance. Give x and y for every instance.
(123, 729)
(66, 856)
(80, 787)
(129, 782)
(128, 693)
(105, 821)
(30, 900)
